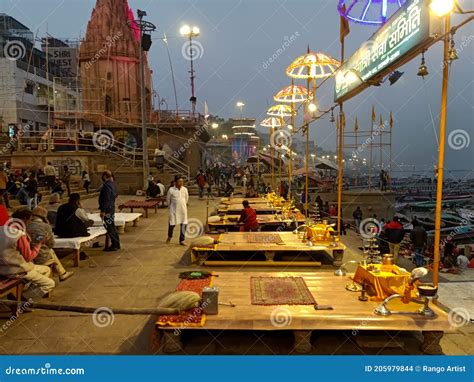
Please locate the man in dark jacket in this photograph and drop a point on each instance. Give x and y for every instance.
(419, 238)
(108, 194)
(394, 234)
(68, 223)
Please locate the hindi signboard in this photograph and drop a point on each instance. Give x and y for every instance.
(410, 29)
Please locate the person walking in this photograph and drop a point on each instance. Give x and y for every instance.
(86, 179)
(419, 238)
(108, 195)
(177, 200)
(31, 188)
(50, 175)
(201, 182)
(66, 178)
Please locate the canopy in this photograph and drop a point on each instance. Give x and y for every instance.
(324, 164)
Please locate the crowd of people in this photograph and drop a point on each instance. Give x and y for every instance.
(24, 185)
(27, 237)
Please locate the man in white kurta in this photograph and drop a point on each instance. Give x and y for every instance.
(177, 199)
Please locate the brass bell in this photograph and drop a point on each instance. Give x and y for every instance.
(423, 69)
(453, 55)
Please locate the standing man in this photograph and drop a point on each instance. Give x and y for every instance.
(177, 200)
(160, 158)
(4, 187)
(419, 238)
(394, 234)
(201, 182)
(50, 175)
(108, 194)
(357, 215)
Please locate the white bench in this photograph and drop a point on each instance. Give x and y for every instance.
(75, 243)
(121, 220)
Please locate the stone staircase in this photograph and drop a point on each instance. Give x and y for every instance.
(76, 187)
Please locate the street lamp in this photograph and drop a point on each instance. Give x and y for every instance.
(190, 32)
(143, 26)
(241, 106)
(215, 125)
(442, 7)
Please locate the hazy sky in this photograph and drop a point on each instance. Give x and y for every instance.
(239, 36)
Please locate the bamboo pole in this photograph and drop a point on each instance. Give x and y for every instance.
(341, 120)
(371, 149)
(442, 138)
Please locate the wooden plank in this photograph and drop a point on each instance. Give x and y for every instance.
(349, 313)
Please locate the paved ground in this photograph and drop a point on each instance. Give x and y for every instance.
(137, 276)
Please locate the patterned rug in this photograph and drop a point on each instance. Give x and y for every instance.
(191, 317)
(280, 291)
(262, 237)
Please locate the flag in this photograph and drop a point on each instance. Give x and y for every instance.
(206, 110)
(373, 113)
(345, 30)
(391, 121)
(356, 127)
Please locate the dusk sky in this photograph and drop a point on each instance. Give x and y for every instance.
(239, 36)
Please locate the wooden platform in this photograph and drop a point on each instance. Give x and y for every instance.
(230, 222)
(348, 312)
(237, 242)
(142, 204)
(240, 200)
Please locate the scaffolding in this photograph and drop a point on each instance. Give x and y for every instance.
(377, 140)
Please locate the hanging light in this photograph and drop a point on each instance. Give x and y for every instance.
(369, 12)
(423, 69)
(394, 77)
(453, 53)
(442, 7)
(332, 120)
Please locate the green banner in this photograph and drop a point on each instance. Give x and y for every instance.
(403, 33)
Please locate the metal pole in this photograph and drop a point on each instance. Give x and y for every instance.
(371, 150)
(143, 111)
(442, 138)
(339, 153)
(193, 98)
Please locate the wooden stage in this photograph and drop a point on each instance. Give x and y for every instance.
(240, 200)
(237, 244)
(348, 312)
(273, 222)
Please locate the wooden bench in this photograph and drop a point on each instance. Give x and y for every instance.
(144, 204)
(13, 286)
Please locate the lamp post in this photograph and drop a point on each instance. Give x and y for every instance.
(241, 105)
(143, 26)
(191, 32)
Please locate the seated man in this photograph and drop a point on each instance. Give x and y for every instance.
(71, 219)
(15, 259)
(39, 229)
(249, 218)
